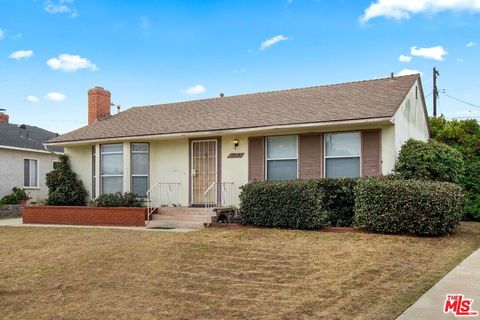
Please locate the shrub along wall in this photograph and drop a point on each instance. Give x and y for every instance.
(418, 207)
(385, 204)
(338, 200)
(287, 204)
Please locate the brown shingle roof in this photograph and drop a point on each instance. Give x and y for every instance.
(347, 101)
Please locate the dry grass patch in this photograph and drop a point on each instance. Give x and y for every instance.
(60, 273)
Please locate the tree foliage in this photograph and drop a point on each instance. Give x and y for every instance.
(464, 136)
(64, 187)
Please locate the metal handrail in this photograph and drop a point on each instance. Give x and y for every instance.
(226, 196)
(162, 194)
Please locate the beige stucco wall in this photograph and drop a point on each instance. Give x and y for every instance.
(81, 160)
(12, 170)
(410, 120)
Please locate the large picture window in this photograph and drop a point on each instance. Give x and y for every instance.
(140, 168)
(94, 172)
(281, 158)
(111, 168)
(30, 173)
(342, 154)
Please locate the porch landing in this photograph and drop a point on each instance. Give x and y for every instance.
(180, 218)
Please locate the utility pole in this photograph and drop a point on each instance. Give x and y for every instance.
(435, 90)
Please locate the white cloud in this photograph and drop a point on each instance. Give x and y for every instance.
(61, 6)
(471, 44)
(270, 42)
(55, 96)
(435, 53)
(404, 9)
(31, 99)
(2, 34)
(195, 90)
(70, 63)
(406, 72)
(404, 58)
(21, 54)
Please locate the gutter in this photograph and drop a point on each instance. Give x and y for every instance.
(30, 150)
(380, 121)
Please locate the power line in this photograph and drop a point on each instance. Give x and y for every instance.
(460, 100)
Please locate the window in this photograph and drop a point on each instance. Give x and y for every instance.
(140, 168)
(94, 172)
(111, 159)
(281, 158)
(342, 154)
(30, 173)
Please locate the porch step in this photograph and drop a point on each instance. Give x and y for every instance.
(179, 217)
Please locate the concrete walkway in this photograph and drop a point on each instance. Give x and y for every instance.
(17, 222)
(464, 279)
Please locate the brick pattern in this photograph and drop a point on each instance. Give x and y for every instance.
(371, 155)
(256, 159)
(310, 156)
(4, 118)
(91, 216)
(98, 104)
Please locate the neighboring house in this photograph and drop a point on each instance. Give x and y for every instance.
(24, 159)
(342, 130)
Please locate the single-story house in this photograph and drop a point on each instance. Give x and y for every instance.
(24, 159)
(200, 152)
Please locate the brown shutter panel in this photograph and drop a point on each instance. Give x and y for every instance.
(256, 159)
(371, 156)
(310, 155)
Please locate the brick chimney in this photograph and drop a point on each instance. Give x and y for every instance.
(98, 104)
(3, 116)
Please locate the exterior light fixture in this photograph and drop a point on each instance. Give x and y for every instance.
(235, 143)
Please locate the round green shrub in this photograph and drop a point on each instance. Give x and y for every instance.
(412, 206)
(430, 160)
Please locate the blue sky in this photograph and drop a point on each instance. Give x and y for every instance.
(149, 52)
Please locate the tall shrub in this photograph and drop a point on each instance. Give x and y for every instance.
(64, 187)
(286, 204)
(413, 206)
(430, 160)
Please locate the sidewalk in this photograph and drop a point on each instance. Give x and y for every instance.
(17, 222)
(464, 279)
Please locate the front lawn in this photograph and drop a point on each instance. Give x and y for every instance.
(70, 273)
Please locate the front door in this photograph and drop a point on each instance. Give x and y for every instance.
(204, 171)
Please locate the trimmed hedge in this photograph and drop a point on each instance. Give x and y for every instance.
(286, 204)
(339, 199)
(417, 207)
(127, 199)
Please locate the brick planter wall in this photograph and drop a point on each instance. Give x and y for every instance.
(90, 216)
(11, 210)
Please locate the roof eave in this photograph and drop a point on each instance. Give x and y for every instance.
(387, 120)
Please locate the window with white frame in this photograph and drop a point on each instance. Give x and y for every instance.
(140, 168)
(281, 157)
(342, 154)
(111, 158)
(94, 172)
(30, 173)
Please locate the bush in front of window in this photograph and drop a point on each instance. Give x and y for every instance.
(430, 160)
(64, 187)
(15, 197)
(338, 199)
(127, 199)
(283, 204)
(412, 206)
